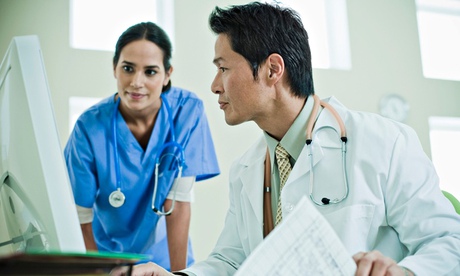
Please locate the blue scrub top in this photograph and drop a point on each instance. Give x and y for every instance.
(89, 155)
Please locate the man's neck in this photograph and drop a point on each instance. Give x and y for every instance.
(281, 116)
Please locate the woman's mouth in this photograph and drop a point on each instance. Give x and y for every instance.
(136, 96)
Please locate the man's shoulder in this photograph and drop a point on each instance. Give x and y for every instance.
(372, 126)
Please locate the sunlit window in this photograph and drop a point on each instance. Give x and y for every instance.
(326, 23)
(439, 34)
(76, 107)
(97, 24)
(445, 151)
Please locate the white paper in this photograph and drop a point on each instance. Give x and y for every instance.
(303, 244)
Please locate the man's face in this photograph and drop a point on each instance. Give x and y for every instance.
(240, 96)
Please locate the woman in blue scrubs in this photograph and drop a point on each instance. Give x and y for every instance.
(115, 145)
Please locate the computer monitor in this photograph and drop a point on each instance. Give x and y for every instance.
(37, 208)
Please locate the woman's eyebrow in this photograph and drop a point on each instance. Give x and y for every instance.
(148, 66)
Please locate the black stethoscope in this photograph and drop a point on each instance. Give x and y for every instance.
(117, 198)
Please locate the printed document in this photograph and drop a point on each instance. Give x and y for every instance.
(303, 244)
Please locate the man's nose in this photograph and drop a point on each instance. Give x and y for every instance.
(216, 85)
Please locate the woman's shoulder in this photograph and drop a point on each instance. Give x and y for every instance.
(98, 111)
(181, 96)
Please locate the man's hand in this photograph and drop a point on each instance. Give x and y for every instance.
(147, 269)
(376, 264)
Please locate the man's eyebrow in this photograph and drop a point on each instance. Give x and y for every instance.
(217, 60)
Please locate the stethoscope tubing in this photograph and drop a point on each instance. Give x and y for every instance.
(180, 160)
(326, 201)
(115, 145)
(344, 140)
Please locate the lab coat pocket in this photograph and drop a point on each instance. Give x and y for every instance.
(351, 223)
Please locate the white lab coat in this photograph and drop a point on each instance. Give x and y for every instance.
(394, 204)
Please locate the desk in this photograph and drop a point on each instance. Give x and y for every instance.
(58, 263)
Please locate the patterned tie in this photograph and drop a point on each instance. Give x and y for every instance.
(284, 167)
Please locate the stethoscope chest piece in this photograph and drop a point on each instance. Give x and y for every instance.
(117, 198)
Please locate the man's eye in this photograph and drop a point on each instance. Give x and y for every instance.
(222, 69)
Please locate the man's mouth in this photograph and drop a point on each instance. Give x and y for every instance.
(222, 105)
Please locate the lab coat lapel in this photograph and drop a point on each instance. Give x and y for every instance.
(302, 165)
(252, 179)
(327, 121)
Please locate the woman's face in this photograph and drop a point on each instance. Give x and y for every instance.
(141, 75)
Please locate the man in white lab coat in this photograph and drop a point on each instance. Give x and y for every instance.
(387, 210)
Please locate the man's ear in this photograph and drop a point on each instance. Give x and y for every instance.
(275, 65)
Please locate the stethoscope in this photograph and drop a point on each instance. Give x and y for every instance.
(343, 138)
(267, 206)
(117, 198)
(310, 124)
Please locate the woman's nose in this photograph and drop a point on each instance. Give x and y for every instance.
(138, 80)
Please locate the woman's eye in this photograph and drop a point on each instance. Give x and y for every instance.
(127, 68)
(150, 72)
(222, 69)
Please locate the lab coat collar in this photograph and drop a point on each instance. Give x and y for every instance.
(293, 140)
(320, 139)
(326, 119)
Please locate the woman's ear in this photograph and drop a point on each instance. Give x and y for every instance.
(275, 65)
(168, 76)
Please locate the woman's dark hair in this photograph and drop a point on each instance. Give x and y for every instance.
(257, 30)
(151, 32)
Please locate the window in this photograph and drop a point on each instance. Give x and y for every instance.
(97, 24)
(326, 23)
(439, 35)
(76, 107)
(445, 151)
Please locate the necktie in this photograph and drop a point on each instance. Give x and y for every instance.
(284, 167)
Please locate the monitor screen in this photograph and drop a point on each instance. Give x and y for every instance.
(37, 208)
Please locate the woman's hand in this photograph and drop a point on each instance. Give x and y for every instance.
(147, 269)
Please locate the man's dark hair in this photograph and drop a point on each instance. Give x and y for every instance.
(257, 30)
